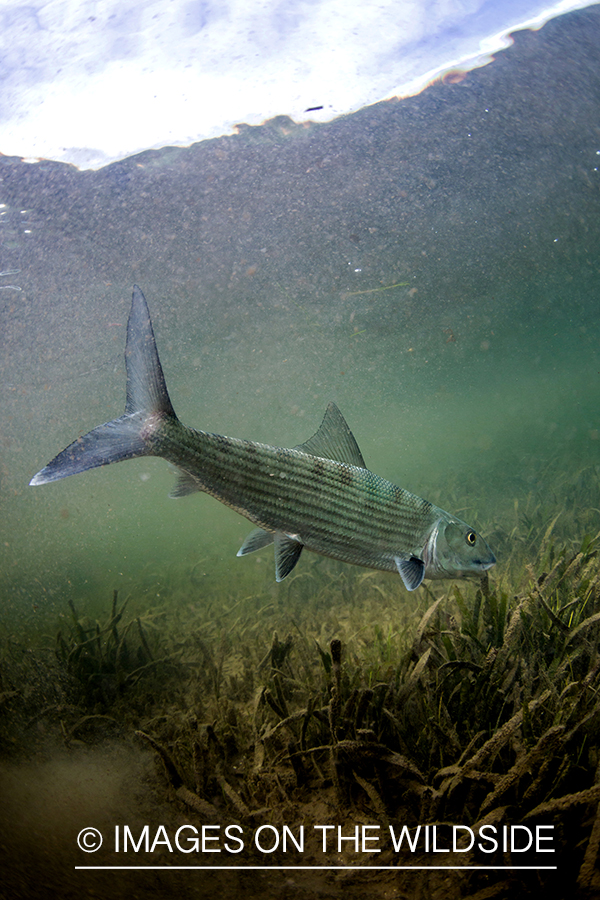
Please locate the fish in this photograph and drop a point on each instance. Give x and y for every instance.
(317, 496)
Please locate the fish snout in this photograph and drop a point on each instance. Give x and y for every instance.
(486, 564)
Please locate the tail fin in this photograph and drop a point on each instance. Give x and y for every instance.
(147, 397)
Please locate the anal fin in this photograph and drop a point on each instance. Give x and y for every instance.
(186, 485)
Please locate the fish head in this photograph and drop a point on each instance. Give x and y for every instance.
(459, 551)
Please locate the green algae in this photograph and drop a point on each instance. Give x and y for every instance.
(471, 702)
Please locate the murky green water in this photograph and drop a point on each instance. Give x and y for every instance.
(269, 261)
(432, 265)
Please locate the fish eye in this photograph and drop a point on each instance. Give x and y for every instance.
(471, 538)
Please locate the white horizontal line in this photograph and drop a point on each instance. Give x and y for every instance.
(327, 868)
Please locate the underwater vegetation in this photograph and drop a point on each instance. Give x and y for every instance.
(336, 698)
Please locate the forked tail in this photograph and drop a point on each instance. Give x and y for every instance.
(147, 403)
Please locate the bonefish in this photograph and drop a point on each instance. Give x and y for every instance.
(318, 495)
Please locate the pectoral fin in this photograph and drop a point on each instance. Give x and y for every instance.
(412, 571)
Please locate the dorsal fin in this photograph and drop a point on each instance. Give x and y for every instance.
(334, 440)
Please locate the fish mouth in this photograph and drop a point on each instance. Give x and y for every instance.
(484, 566)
